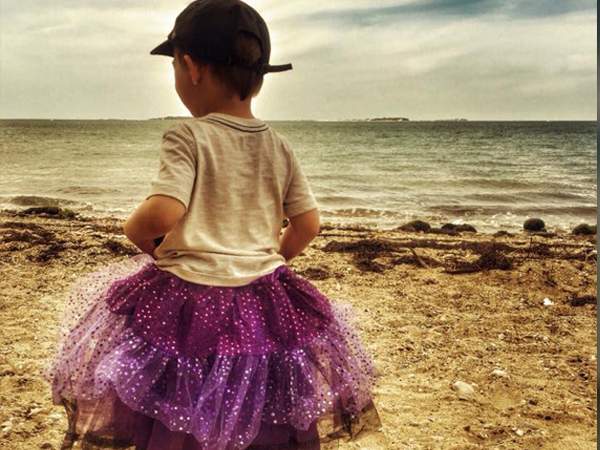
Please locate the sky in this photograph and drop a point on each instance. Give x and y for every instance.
(422, 59)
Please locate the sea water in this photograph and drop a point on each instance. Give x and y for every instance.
(492, 175)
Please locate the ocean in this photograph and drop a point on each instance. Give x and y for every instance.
(492, 175)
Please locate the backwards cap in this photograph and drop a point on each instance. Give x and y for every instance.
(208, 28)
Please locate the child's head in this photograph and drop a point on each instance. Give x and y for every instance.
(240, 80)
(221, 51)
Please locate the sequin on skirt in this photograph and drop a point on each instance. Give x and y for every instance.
(148, 361)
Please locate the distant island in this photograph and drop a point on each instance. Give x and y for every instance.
(171, 118)
(388, 119)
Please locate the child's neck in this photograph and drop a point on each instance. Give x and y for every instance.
(233, 107)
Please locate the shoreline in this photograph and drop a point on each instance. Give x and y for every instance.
(512, 315)
(59, 212)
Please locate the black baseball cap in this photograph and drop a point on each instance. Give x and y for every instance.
(207, 29)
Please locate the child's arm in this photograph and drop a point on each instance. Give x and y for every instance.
(154, 218)
(301, 230)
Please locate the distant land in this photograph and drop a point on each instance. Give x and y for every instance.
(386, 119)
(375, 119)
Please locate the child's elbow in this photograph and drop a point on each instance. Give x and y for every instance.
(307, 223)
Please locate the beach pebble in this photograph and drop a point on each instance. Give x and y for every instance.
(585, 229)
(6, 427)
(33, 412)
(534, 225)
(415, 225)
(548, 302)
(466, 227)
(449, 226)
(464, 390)
(500, 373)
(519, 432)
(458, 227)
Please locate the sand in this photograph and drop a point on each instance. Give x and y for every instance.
(434, 309)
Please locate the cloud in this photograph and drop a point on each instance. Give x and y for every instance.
(442, 9)
(425, 59)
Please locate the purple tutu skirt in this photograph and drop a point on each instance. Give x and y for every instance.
(148, 361)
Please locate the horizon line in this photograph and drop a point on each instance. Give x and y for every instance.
(459, 120)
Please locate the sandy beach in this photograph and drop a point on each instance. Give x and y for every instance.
(511, 315)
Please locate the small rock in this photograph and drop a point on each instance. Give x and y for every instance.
(46, 445)
(502, 233)
(465, 390)
(534, 225)
(33, 412)
(585, 229)
(466, 227)
(415, 225)
(500, 373)
(6, 429)
(519, 432)
(548, 302)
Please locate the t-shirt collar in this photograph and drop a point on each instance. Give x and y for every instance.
(240, 123)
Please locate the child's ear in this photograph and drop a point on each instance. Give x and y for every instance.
(193, 69)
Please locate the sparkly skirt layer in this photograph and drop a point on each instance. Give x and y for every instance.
(148, 361)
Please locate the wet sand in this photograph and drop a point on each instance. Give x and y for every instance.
(434, 309)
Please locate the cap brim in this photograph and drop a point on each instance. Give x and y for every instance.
(166, 49)
(277, 68)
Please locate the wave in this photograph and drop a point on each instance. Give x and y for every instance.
(523, 210)
(361, 212)
(525, 196)
(86, 190)
(491, 183)
(36, 200)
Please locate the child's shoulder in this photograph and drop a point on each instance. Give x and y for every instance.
(193, 131)
(186, 127)
(198, 132)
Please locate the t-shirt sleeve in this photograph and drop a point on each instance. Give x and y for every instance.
(177, 169)
(299, 197)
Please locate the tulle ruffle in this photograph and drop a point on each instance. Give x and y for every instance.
(145, 358)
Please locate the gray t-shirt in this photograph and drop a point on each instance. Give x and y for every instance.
(238, 179)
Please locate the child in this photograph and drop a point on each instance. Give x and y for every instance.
(210, 341)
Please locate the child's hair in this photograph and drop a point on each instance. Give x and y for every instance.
(244, 81)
